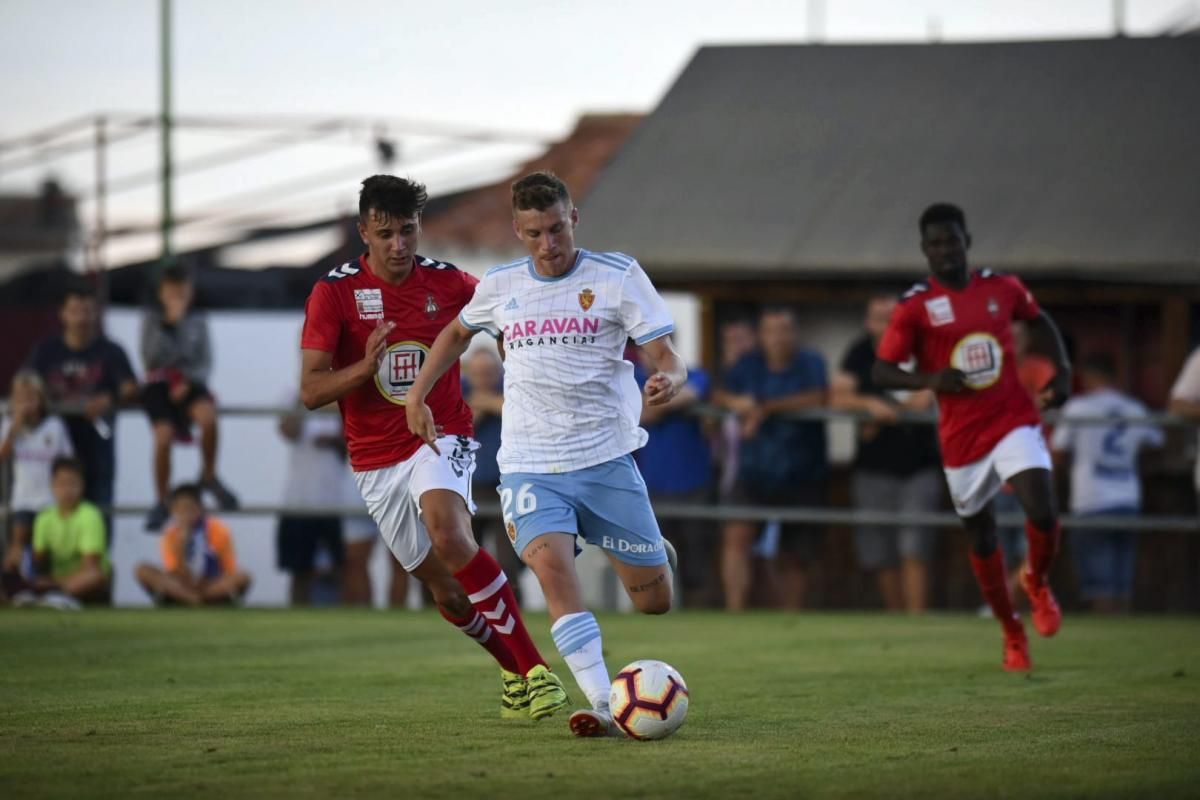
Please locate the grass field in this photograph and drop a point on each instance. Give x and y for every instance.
(240, 703)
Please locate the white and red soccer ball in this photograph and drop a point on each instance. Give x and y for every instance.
(649, 700)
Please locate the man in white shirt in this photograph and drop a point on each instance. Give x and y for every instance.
(316, 469)
(1104, 480)
(570, 421)
(1185, 399)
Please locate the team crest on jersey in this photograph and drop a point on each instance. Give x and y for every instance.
(399, 369)
(586, 298)
(940, 311)
(980, 357)
(993, 307)
(369, 302)
(431, 307)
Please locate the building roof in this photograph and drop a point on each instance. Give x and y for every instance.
(1074, 158)
(482, 219)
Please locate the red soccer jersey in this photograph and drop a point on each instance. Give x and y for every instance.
(342, 310)
(970, 330)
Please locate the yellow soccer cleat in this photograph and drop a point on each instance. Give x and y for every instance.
(546, 693)
(514, 702)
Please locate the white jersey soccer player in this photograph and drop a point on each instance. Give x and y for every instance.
(570, 421)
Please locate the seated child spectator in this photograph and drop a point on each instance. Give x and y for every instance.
(32, 438)
(199, 565)
(70, 553)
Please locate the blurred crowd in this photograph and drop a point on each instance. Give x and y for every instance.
(758, 452)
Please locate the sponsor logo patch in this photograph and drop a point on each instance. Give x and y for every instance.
(369, 303)
(626, 546)
(940, 311)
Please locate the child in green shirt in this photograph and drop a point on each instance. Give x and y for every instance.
(70, 554)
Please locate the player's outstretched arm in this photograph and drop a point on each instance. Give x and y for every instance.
(320, 384)
(449, 346)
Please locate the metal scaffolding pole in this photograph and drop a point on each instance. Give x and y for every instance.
(167, 221)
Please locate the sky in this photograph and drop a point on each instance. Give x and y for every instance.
(523, 68)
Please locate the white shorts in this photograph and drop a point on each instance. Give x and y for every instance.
(973, 485)
(393, 494)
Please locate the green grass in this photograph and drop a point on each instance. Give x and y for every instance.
(239, 703)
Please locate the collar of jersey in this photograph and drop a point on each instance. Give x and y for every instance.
(972, 274)
(378, 281)
(533, 273)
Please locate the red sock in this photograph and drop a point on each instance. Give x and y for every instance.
(476, 627)
(1043, 547)
(993, 583)
(488, 590)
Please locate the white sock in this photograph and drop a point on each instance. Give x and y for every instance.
(577, 637)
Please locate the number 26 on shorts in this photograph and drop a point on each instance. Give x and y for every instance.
(526, 501)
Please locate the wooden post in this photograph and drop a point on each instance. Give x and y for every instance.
(1176, 327)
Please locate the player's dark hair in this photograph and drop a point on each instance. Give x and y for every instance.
(942, 214)
(392, 196)
(67, 464)
(183, 490)
(539, 191)
(176, 274)
(77, 287)
(1101, 364)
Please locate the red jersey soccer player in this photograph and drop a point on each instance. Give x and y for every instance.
(958, 324)
(368, 327)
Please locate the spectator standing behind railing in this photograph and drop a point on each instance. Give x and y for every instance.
(738, 338)
(1104, 480)
(199, 563)
(782, 462)
(70, 548)
(32, 438)
(314, 479)
(1185, 399)
(89, 374)
(177, 357)
(676, 464)
(896, 468)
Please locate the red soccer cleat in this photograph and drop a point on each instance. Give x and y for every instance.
(1047, 616)
(1016, 653)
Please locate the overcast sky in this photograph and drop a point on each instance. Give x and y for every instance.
(519, 65)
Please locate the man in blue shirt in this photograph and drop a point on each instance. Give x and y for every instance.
(782, 460)
(676, 464)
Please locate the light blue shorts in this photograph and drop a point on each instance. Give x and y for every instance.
(606, 505)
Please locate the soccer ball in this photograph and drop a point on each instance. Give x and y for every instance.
(649, 700)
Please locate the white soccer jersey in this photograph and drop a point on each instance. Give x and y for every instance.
(33, 455)
(1104, 471)
(570, 400)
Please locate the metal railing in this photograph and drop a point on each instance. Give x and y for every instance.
(719, 512)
